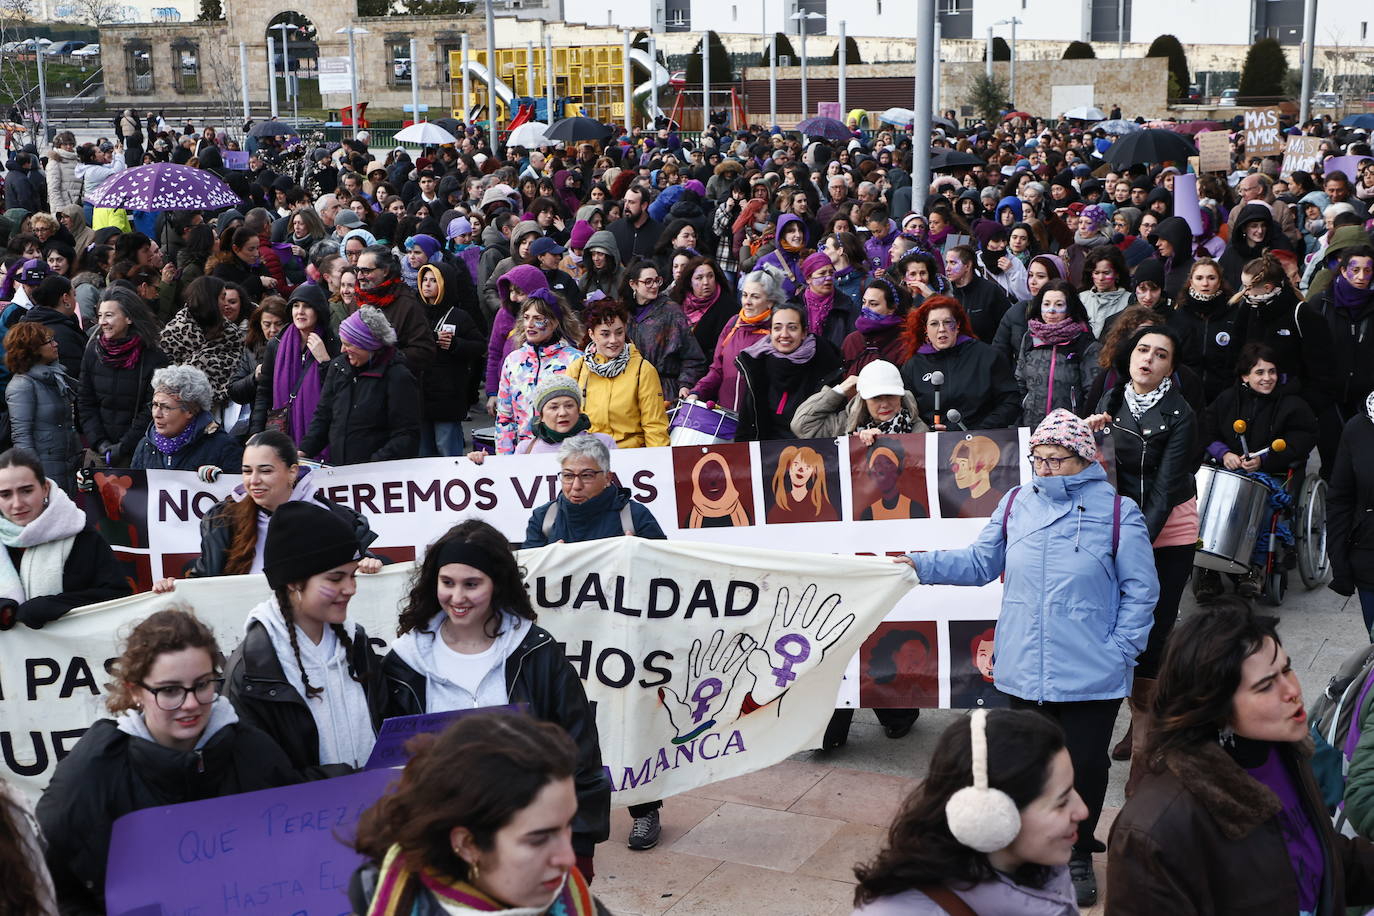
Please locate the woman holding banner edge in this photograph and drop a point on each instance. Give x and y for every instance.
(1077, 603)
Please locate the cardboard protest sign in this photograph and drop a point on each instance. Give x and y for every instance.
(1301, 155)
(1262, 135)
(1214, 151)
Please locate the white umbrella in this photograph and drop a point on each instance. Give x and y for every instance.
(529, 135)
(1085, 113)
(425, 134)
(900, 117)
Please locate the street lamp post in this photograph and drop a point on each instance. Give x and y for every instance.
(351, 31)
(291, 88)
(801, 18)
(38, 50)
(1011, 82)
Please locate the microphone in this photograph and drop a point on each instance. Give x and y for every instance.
(954, 416)
(937, 378)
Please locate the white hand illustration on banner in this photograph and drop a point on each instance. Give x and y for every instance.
(708, 680)
(798, 637)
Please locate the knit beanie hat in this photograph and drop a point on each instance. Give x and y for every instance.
(555, 386)
(814, 262)
(303, 540)
(580, 235)
(1095, 215)
(525, 277)
(426, 243)
(1062, 427)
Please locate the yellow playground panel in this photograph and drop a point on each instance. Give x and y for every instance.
(594, 73)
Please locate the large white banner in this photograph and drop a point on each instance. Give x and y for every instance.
(703, 662)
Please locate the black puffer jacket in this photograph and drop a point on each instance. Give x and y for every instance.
(1351, 358)
(450, 381)
(539, 674)
(1299, 338)
(216, 533)
(1240, 251)
(109, 774)
(774, 388)
(211, 446)
(115, 404)
(1209, 346)
(1350, 509)
(1155, 455)
(90, 575)
(371, 413)
(978, 382)
(1175, 231)
(256, 684)
(1279, 415)
(985, 303)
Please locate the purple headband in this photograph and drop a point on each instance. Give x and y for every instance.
(544, 295)
(355, 332)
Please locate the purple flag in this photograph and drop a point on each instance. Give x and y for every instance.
(389, 751)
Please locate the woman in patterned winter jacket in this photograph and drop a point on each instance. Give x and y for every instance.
(198, 335)
(550, 338)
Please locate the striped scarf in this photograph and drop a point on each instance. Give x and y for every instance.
(397, 884)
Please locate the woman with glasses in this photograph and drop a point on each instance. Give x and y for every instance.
(1076, 604)
(41, 398)
(978, 382)
(172, 739)
(184, 435)
(467, 637)
(659, 329)
(829, 313)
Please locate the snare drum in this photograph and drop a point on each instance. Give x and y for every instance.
(1231, 510)
(694, 423)
(484, 440)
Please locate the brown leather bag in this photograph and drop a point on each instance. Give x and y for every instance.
(947, 900)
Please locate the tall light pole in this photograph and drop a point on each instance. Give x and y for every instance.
(1309, 50)
(801, 18)
(844, 59)
(415, 81)
(920, 128)
(243, 76)
(1120, 29)
(988, 67)
(272, 73)
(1011, 83)
(705, 81)
(653, 79)
(549, 87)
(491, 77)
(351, 31)
(625, 85)
(772, 69)
(935, 69)
(463, 59)
(38, 51)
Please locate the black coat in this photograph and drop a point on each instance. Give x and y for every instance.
(978, 383)
(262, 390)
(1210, 347)
(774, 388)
(1281, 415)
(216, 534)
(249, 277)
(115, 404)
(635, 242)
(1351, 358)
(985, 303)
(450, 380)
(256, 684)
(212, 446)
(91, 575)
(712, 324)
(1350, 509)
(539, 674)
(71, 342)
(1155, 456)
(109, 774)
(1299, 338)
(370, 413)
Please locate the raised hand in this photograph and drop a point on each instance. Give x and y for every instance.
(708, 680)
(799, 635)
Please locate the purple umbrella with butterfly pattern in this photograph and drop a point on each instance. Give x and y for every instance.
(164, 186)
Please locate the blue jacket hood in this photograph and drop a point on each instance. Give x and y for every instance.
(1014, 203)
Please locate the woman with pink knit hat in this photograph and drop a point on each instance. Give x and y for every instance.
(829, 313)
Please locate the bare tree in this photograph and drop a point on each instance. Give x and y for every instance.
(220, 78)
(16, 10)
(98, 12)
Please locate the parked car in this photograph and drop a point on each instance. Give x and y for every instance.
(88, 51)
(1229, 97)
(1326, 99)
(66, 47)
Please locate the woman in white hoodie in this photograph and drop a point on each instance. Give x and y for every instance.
(305, 673)
(467, 638)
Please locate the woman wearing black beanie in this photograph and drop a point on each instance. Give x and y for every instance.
(305, 673)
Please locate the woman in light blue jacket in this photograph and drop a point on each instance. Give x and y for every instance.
(1077, 604)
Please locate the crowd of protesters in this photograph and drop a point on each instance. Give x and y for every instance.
(363, 304)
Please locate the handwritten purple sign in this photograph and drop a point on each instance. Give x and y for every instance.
(275, 851)
(390, 750)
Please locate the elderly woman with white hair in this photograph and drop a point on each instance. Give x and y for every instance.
(758, 294)
(369, 405)
(184, 435)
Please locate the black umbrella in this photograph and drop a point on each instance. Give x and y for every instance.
(571, 130)
(273, 128)
(452, 125)
(953, 159)
(946, 123)
(1150, 146)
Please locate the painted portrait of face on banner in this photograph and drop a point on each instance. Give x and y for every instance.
(976, 469)
(889, 477)
(714, 486)
(899, 666)
(801, 481)
(970, 665)
(124, 499)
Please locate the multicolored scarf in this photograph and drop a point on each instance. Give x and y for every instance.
(120, 354)
(397, 884)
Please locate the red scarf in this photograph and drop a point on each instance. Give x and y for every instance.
(381, 295)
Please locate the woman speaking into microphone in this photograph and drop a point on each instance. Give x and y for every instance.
(946, 366)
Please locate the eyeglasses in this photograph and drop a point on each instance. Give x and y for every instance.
(172, 696)
(583, 476)
(942, 324)
(365, 270)
(1052, 464)
(164, 407)
(650, 281)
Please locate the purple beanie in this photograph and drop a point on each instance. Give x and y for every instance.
(580, 235)
(695, 186)
(525, 277)
(427, 243)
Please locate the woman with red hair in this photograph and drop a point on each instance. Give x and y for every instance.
(973, 377)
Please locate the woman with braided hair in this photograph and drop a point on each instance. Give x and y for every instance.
(304, 673)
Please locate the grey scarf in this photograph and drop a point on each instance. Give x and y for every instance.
(1140, 403)
(611, 367)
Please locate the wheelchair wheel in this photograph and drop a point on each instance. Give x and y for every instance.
(1275, 586)
(1309, 532)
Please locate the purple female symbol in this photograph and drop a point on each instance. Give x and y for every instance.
(782, 647)
(703, 696)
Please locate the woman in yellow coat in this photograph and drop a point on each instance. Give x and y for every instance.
(621, 391)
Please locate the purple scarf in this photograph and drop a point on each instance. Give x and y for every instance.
(870, 321)
(818, 307)
(171, 445)
(1061, 332)
(764, 347)
(929, 347)
(295, 367)
(1347, 297)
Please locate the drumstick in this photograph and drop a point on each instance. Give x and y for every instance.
(1240, 427)
(937, 378)
(1277, 445)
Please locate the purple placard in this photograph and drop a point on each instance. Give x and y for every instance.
(390, 750)
(275, 851)
(235, 159)
(1348, 164)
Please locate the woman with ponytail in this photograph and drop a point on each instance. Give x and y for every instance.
(232, 533)
(305, 674)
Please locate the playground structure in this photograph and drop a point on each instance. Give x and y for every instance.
(587, 80)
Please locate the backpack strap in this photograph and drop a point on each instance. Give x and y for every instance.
(549, 518)
(1116, 523)
(947, 900)
(627, 522)
(1006, 511)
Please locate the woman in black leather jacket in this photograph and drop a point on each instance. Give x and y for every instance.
(469, 600)
(1153, 430)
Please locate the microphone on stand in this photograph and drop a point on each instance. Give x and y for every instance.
(954, 416)
(937, 378)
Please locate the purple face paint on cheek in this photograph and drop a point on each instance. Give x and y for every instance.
(327, 593)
